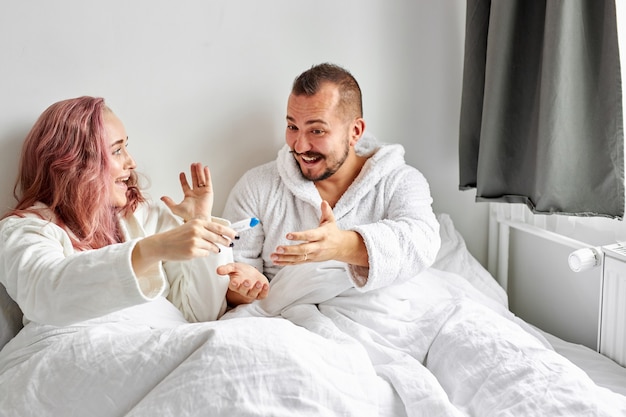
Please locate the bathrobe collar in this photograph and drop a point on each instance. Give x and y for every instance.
(383, 159)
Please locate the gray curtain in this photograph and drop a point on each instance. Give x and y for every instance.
(541, 113)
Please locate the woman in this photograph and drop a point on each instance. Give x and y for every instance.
(83, 244)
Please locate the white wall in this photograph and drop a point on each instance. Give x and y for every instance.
(209, 80)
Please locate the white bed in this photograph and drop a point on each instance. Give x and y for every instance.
(442, 344)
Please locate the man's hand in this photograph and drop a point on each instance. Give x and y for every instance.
(326, 242)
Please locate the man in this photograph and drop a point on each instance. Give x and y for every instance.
(334, 193)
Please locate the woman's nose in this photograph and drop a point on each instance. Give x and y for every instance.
(130, 162)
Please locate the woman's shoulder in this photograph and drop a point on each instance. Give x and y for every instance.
(37, 213)
(38, 219)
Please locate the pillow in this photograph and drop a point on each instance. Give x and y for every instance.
(10, 317)
(454, 257)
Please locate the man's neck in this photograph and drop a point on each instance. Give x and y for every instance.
(332, 188)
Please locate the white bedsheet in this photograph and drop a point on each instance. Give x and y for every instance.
(601, 369)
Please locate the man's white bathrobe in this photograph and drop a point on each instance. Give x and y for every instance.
(56, 285)
(388, 204)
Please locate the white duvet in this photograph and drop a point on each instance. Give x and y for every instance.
(438, 345)
(434, 346)
(444, 347)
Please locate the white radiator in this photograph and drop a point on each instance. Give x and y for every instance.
(612, 315)
(602, 292)
(612, 326)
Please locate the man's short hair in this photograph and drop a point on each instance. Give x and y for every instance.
(310, 81)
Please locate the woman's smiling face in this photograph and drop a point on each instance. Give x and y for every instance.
(121, 163)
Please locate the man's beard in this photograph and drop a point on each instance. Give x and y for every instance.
(330, 171)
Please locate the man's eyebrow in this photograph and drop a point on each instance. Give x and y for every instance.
(308, 122)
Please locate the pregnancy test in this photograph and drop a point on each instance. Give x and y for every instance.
(244, 225)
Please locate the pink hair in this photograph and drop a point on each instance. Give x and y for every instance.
(65, 165)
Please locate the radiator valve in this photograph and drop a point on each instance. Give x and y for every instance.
(584, 259)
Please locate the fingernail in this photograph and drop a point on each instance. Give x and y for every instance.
(231, 244)
(237, 237)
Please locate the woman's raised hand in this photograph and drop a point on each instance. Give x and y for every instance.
(198, 198)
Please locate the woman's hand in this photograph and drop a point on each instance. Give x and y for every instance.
(194, 239)
(198, 199)
(246, 285)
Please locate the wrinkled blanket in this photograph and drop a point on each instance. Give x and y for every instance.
(445, 348)
(434, 346)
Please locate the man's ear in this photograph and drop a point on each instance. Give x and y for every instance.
(357, 129)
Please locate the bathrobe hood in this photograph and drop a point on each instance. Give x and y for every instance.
(383, 160)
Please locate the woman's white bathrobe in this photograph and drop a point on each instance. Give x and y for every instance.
(389, 205)
(56, 285)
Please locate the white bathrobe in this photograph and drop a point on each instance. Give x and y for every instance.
(388, 204)
(56, 285)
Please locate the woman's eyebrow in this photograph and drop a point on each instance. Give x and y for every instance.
(120, 141)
